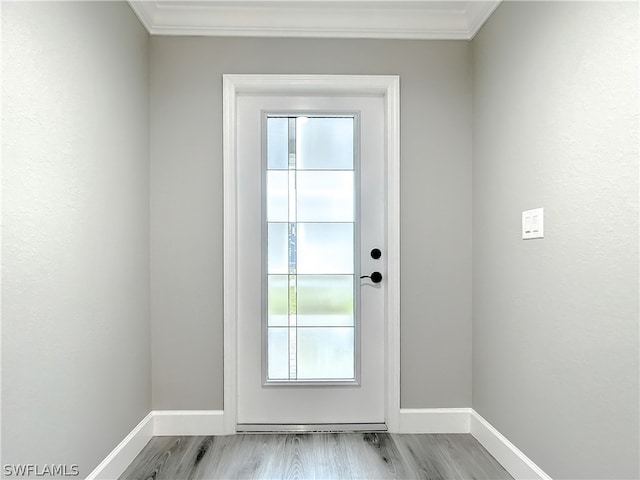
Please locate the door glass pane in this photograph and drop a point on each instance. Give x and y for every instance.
(310, 219)
(325, 248)
(324, 143)
(325, 196)
(325, 353)
(278, 301)
(278, 361)
(277, 196)
(277, 142)
(277, 247)
(325, 300)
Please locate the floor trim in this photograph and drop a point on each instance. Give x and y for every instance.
(311, 428)
(411, 420)
(188, 422)
(510, 457)
(434, 420)
(119, 459)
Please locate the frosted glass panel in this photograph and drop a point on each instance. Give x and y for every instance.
(310, 220)
(325, 248)
(325, 300)
(278, 361)
(325, 196)
(278, 295)
(325, 353)
(324, 143)
(277, 248)
(277, 142)
(278, 196)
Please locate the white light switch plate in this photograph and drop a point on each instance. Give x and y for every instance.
(533, 224)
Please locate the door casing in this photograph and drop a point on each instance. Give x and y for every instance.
(388, 86)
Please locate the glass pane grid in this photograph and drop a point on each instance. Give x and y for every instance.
(310, 264)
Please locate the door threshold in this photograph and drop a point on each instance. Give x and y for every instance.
(310, 428)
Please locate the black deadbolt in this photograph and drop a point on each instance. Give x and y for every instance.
(376, 253)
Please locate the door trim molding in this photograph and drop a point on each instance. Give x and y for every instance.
(387, 86)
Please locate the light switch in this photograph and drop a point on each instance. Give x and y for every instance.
(533, 224)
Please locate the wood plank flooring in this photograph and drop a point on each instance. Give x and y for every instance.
(315, 456)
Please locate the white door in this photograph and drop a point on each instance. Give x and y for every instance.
(311, 209)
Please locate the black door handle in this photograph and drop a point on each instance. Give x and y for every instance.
(376, 277)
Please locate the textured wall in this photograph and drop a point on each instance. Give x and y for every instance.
(186, 206)
(75, 252)
(555, 326)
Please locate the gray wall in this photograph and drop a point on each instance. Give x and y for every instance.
(186, 206)
(75, 252)
(555, 326)
(555, 333)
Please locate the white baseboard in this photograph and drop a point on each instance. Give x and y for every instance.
(467, 420)
(412, 420)
(188, 422)
(510, 457)
(119, 459)
(434, 420)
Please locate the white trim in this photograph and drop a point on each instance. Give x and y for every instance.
(188, 422)
(410, 420)
(388, 19)
(483, 10)
(392, 314)
(144, 12)
(467, 420)
(385, 85)
(313, 428)
(434, 420)
(230, 255)
(510, 457)
(121, 457)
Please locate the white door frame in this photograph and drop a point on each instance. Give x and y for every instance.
(387, 86)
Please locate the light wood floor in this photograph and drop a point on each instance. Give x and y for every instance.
(316, 456)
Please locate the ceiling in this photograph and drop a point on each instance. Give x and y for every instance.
(399, 19)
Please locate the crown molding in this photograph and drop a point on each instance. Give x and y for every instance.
(390, 19)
